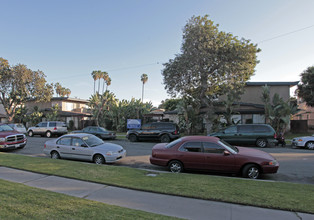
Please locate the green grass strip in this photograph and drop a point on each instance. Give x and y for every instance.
(276, 195)
(23, 202)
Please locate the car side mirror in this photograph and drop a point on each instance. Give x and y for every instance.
(226, 153)
(84, 145)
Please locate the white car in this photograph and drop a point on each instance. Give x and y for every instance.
(18, 127)
(85, 147)
(307, 142)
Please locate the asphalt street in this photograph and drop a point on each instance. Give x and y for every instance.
(296, 165)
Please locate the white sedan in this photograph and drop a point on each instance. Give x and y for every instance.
(307, 142)
(85, 147)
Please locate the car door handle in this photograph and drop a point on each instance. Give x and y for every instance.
(73, 148)
(58, 147)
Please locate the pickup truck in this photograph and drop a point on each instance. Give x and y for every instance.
(10, 138)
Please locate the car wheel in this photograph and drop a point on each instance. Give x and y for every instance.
(251, 171)
(132, 138)
(165, 138)
(175, 166)
(99, 159)
(48, 134)
(55, 155)
(261, 142)
(310, 145)
(30, 133)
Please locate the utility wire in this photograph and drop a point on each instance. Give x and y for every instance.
(282, 35)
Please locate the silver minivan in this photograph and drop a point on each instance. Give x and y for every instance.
(48, 129)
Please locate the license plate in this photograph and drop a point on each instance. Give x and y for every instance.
(17, 146)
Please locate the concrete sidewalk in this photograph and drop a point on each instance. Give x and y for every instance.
(181, 207)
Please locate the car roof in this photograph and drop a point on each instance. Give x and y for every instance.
(200, 138)
(76, 135)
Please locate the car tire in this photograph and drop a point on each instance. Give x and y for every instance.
(48, 134)
(251, 171)
(99, 159)
(310, 145)
(261, 142)
(132, 138)
(175, 166)
(30, 133)
(164, 138)
(55, 155)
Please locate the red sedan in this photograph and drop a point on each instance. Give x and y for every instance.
(212, 154)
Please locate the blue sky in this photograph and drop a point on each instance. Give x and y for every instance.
(68, 39)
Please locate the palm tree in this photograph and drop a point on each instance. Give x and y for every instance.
(144, 79)
(105, 77)
(67, 92)
(94, 75)
(108, 82)
(99, 75)
(58, 88)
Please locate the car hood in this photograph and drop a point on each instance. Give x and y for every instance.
(108, 147)
(7, 133)
(161, 146)
(249, 152)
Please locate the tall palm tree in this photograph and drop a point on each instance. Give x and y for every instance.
(58, 88)
(108, 82)
(144, 79)
(105, 77)
(94, 75)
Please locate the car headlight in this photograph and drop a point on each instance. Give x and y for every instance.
(300, 140)
(273, 163)
(2, 139)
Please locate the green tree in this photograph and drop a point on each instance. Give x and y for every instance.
(18, 84)
(306, 88)
(105, 77)
(277, 111)
(169, 104)
(36, 116)
(210, 60)
(53, 115)
(144, 79)
(95, 77)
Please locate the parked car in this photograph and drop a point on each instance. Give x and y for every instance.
(86, 147)
(10, 138)
(18, 127)
(259, 134)
(304, 142)
(48, 129)
(98, 131)
(212, 154)
(163, 131)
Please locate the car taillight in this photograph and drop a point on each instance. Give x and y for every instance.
(55, 128)
(275, 136)
(175, 132)
(44, 145)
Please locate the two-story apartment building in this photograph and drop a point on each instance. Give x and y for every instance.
(73, 109)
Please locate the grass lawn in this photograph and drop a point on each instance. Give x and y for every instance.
(277, 195)
(23, 202)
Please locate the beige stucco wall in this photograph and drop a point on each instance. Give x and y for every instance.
(253, 94)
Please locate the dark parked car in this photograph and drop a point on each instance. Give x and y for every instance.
(212, 154)
(259, 134)
(10, 138)
(163, 131)
(98, 131)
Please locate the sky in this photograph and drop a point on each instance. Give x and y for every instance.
(68, 39)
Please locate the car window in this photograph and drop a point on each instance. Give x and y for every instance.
(93, 129)
(64, 141)
(261, 129)
(61, 124)
(173, 143)
(212, 148)
(92, 140)
(245, 129)
(5, 128)
(77, 142)
(231, 130)
(191, 147)
(43, 124)
(52, 124)
(148, 127)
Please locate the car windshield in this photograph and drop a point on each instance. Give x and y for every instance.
(5, 128)
(228, 146)
(173, 143)
(102, 129)
(92, 141)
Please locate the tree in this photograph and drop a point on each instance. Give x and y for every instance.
(53, 116)
(277, 111)
(169, 104)
(18, 84)
(144, 79)
(108, 83)
(105, 77)
(306, 88)
(95, 77)
(58, 88)
(210, 61)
